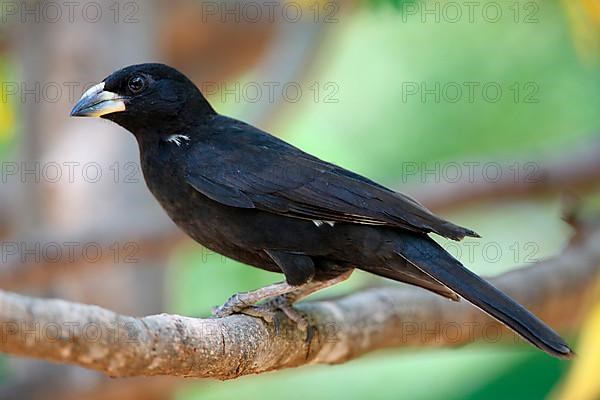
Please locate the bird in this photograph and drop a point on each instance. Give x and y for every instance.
(257, 199)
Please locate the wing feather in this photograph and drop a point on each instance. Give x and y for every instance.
(252, 169)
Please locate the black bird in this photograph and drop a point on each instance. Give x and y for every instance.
(257, 199)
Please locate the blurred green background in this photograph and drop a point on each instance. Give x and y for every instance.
(374, 51)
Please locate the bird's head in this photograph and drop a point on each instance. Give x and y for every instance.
(140, 96)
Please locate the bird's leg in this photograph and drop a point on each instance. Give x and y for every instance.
(285, 301)
(311, 287)
(278, 296)
(241, 301)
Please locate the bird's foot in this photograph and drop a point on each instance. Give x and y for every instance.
(265, 313)
(238, 304)
(234, 305)
(284, 303)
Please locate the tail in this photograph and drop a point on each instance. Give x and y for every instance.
(431, 258)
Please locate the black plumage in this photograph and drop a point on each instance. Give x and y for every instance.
(255, 198)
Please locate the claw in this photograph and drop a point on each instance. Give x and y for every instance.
(296, 316)
(284, 303)
(266, 311)
(261, 312)
(235, 304)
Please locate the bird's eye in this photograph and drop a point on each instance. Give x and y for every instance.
(136, 84)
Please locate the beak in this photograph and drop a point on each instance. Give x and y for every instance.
(97, 102)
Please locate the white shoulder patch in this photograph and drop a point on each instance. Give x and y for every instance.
(320, 223)
(178, 139)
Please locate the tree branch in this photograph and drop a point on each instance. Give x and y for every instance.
(33, 262)
(341, 329)
(576, 168)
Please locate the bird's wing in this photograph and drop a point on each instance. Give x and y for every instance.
(252, 169)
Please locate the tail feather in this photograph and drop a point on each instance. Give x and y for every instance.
(431, 258)
(404, 271)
